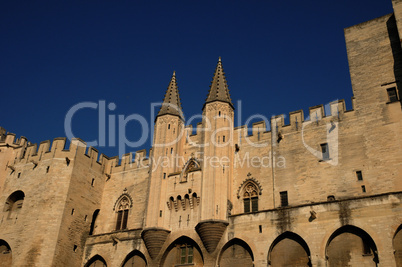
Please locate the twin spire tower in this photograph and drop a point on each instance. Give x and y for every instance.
(189, 192)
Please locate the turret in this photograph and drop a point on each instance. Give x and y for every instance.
(167, 147)
(217, 170)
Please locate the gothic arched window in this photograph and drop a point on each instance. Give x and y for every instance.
(250, 198)
(123, 207)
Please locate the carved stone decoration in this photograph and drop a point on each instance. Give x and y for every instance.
(191, 165)
(126, 198)
(230, 207)
(247, 183)
(210, 232)
(154, 238)
(191, 203)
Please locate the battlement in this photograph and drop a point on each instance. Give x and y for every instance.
(9, 139)
(333, 110)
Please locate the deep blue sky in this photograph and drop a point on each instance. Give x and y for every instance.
(279, 56)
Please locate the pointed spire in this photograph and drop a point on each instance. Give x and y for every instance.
(219, 90)
(171, 103)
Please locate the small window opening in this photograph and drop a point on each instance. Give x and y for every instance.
(19, 175)
(171, 150)
(47, 169)
(392, 96)
(160, 213)
(164, 175)
(260, 228)
(168, 126)
(93, 182)
(186, 254)
(331, 198)
(219, 113)
(359, 175)
(223, 139)
(363, 189)
(85, 218)
(72, 212)
(325, 151)
(75, 248)
(284, 198)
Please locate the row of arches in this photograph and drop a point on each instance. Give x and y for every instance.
(347, 246)
(133, 259)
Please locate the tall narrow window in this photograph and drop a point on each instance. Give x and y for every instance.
(122, 213)
(359, 175)
(363, 189)
(223, 139)
(250, 198)
(164, 175)
(325, 151)
(392, 95)
(284, 198)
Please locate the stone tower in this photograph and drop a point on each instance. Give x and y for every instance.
(167, 146)
(217, 154)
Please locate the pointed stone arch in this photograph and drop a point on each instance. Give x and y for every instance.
(183, 250)
(123, 196)
(191, 165)
(236, 252)
(351, 245)
(96, 261)
(289, 249)
(251, 181)
(135, 258)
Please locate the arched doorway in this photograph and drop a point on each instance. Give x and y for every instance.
(183, 251)
(96, 261)
(135, 259)
(351, 246)
(5, 254)
(397, 242)
(289, 249)
(236, 253)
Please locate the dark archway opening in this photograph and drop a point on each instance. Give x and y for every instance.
(236, 253)
(135, 259)
(183, 251)
(289, 249)
(351, 246)
(96, 261)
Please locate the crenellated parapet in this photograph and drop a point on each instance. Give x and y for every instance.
(8, 139)
(129, 162)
